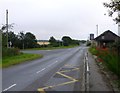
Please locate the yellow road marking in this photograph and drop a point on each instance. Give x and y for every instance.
(70, 70)
(41, 90)
(65, 83)
(71, 78)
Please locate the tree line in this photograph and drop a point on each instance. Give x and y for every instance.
(21, 40)
(28, 40)
(65, 41)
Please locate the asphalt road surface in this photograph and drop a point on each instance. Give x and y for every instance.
(58, 70)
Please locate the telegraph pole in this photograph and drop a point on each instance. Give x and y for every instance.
(7, 26)
(97, 29)
(118, 24)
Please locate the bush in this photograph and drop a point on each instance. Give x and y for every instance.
(111, 59)
(88, 44)
(93, 50)
(112, 62)
(10, 51)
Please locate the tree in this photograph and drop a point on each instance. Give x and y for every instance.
(53, 42)
(13, 38)
(10, 26)
(66, 40)
(30, 40)
(75, 42)
(113, 6)
(4, 34)
(4, 39)
(21, 36)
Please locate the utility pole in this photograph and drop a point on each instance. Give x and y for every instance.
(7, 26)
(97, 29)
(118, 24)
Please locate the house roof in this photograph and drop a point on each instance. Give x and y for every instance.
(107, 36)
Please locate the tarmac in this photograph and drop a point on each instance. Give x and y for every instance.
(97, 80)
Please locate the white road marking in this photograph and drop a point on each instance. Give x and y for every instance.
(40, 70)
(52, 64)
(46, 67)
(48, 50)
(9, 87)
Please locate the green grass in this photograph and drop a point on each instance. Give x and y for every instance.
(110, 60)
(93, 50)
(13, 60)
(51, 48)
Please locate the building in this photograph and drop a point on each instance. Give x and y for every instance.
(106, 38)
(43, 42)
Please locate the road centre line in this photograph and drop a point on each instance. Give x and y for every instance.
(46, 67)
(40, 70)
(9, 87)
(52, 64)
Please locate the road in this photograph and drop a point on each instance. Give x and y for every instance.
(61, 69)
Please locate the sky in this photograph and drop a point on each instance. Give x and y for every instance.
(58, 18)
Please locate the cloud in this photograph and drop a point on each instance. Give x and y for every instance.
(45, 18)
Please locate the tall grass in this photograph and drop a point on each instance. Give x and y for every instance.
(9, 51)
(110, 58)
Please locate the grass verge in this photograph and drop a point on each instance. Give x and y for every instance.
(110, 61)
(93, 50)
(13, 60)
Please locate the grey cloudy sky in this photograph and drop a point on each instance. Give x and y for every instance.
(45, 18)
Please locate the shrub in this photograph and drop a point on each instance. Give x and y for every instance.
(88, 44)
(10, 51)
(93, 50)
(111, 59)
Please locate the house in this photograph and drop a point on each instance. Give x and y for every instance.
(106, 38)
(43, 42)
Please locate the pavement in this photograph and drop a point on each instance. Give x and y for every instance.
(98, 81)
